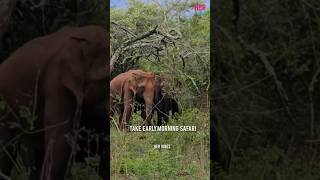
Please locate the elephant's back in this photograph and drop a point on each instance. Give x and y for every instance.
(117, 82)
(20, 71)
(115, 86)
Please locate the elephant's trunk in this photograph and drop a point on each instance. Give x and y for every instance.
(149, 110)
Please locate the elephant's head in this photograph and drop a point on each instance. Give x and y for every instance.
(86, 67)
(143, 85)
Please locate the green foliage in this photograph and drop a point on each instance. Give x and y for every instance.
(133, 154)
(265, 94)
(154, 163)
(269, 163)
(87, 170)
(137, 119)
(190, 81)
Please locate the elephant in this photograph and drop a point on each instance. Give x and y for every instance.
(167, 106)
(129, 86)
(164, 105)
(58, 76)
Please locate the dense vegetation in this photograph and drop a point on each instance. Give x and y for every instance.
(185, 64)
(266, 89)
(34, 18)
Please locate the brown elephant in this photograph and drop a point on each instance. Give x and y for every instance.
(129, 86)
(164, 105)
(57, 75)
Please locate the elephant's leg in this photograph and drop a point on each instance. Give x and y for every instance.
(166, 115)
(143, 113)
(128, 102)
(57, 150)
(57, 153)
(126, 115)
(148, 115)
(148, 109)
(163, 114)
(59, 120)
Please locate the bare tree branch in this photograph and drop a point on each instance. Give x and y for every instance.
(123, 28)
(152, 41)
(145, 35)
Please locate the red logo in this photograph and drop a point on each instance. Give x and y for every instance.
(199, 8)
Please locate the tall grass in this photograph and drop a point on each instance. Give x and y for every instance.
(133, 155)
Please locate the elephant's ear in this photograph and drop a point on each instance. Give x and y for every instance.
(96, 50)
